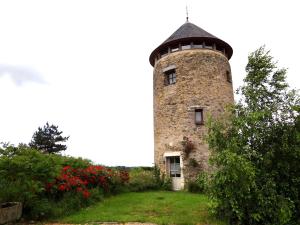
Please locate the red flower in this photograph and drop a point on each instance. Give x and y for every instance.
(99, 167)
(63, 177)
(62, 187)
(85, 182)
(124, 176)
(49, 186)
(82, 179)
(66, 168)
(102, 179)
(86, 194)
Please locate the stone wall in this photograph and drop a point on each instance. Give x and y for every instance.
(201, 81)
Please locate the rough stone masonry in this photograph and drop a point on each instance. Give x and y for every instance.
(201, 82)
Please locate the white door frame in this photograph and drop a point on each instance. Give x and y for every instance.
(177, 182)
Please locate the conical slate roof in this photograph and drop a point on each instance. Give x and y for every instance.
(190, 32)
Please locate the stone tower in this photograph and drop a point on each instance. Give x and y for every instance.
(191, 80)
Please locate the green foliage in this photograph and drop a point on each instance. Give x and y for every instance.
(48, 139)
(200, 185)
(75, 162)
(256, 150)
(142, 180)
(193, 187)
(23, 174)
(45, 208)
(164, 182)
(193, 163)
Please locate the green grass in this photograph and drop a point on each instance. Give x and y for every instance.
(180, 208)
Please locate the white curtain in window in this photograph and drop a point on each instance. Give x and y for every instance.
(198, 116)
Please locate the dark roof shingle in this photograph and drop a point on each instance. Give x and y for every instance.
(190, 32)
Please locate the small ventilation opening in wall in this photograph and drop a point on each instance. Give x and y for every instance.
(228, 76)
(199, 117)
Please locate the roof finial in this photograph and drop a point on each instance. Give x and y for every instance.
(187, 13)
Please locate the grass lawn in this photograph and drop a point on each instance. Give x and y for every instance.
(159, 207)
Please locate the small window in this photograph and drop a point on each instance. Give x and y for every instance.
(199, 117)
(228, 76)
(185, 47)
(175, 49)
(219, 48)
(170, 77)
(198, 45)
(164, 52)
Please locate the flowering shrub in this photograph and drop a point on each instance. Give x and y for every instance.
(124, 175)
(51, 185)
(188, 146)
(81, 180)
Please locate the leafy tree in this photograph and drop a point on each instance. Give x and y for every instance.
(9, 150)
(256, 149)
(48, 139)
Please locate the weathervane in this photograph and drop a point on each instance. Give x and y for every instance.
(187, 13)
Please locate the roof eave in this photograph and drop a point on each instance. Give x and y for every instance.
(227, 47)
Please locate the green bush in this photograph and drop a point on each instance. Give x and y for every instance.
(25, 173)
(193, 187)
(142, 179)
(72, 202)
(200, 185)
(166, 183)
(75, 162)
(256, 150)
(46, 208)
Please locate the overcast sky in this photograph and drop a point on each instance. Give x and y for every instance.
(83, 65)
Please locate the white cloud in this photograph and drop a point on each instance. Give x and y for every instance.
(21, 74)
